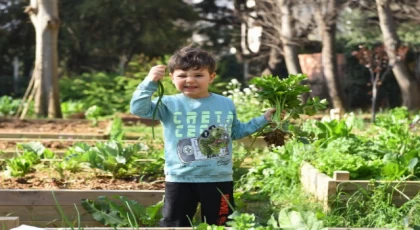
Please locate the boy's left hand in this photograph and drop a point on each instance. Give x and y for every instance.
(269, 113)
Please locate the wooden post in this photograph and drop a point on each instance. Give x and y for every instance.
(9, 222)
(341, 175)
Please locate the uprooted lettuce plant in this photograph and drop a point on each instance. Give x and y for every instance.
(285, 95)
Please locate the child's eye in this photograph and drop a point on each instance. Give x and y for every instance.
(198, 75)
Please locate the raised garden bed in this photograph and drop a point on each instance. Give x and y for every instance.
(54, 128)
(30, 196)
(38, 208)
(58, 146)
(326, 189)
(129, 120)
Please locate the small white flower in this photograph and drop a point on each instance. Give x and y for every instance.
(247, 91)
(234, 81)
(224, 93)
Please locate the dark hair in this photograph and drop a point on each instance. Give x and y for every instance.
(192, 57)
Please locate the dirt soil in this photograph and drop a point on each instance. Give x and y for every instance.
(52, 126)
(81, 181)
(50, 144)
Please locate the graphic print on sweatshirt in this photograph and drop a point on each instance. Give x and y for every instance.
(212, 143)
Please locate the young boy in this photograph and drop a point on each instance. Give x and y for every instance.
(198, 130)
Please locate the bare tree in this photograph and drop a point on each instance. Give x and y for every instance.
(286, 30)
(410, 87)
(44, 17)
(282, 31)
(287, 35)
(326, 14)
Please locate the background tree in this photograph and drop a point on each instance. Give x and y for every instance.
(44, 17)
(16, 42)
(105, 35)
(409, 85)
(284, 30)
(326, 14)
(377, 62)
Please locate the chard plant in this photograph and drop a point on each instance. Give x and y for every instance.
(285, 96)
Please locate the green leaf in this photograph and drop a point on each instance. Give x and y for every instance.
(35, 147)
(101, 212)
(412, 164)
(299, 220)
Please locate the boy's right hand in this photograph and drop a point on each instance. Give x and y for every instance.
(156, 73)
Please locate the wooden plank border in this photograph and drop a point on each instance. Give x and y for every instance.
(37, 207)
(57, 135)
(325, 188)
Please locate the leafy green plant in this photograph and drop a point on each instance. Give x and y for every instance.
(399, 144)
(8, 105)
(59, 167)
(93, 113)
(110, 91)
(117, 131)
(118, 211)
(151, 169)
(331, 130)
(284, 95)
(300, 220)
(243, 221)
(109, 156)
(21, 165)
(38, 148)
(72, 107)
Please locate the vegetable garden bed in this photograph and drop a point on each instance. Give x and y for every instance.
(38, 207)
(54, 128)
(327, 189)
(58, 146)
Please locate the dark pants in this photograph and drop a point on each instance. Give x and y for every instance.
(181, 201)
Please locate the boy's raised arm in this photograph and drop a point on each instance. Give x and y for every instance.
(141, 103)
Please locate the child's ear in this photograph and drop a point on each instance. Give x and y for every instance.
(212, 77)
(172, 77)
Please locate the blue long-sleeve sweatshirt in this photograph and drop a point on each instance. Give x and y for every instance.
(198, 133)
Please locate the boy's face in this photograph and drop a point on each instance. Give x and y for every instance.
(193, 83)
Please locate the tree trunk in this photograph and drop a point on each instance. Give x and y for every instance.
(44, 17)
(274, 64)
(327, 24)
(287, 34)
(410, 87)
